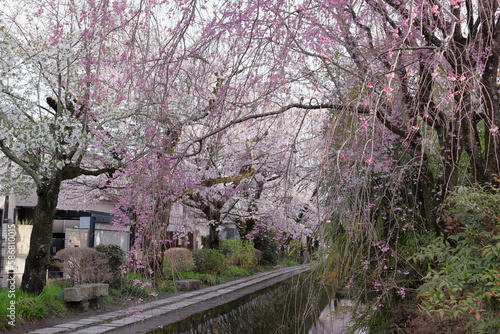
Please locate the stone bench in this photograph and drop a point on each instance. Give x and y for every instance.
(187, 285)
(85, 295)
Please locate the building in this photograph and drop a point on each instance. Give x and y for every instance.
(86, 228)
(72, 228)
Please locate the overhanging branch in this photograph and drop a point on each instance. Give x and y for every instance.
(282, 110)
(9, 154)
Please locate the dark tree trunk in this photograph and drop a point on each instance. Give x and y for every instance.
(213, 237)
(37, 262)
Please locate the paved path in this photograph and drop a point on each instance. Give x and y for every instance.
(172, 309)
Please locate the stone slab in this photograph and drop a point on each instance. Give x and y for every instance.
(85, 291)
(124, 321)
(94, 330)
(168, 308)
(70, 325)
(86, 321)
(187, 284)
(49, 330)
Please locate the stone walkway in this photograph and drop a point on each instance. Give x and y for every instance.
(118, 321)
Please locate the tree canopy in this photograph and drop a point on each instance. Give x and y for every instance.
(355, 120)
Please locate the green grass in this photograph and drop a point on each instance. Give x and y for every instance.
(290, 263)
(234, 271)
(29, 307)
(206, 279)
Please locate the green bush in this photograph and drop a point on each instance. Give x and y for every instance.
(31, 309)
(463, 284)
(209, 261)
(116, 258)
(269, 251)
(290, 263)
(209, 279)
(190, 275)
(206, 279)
(240, 253)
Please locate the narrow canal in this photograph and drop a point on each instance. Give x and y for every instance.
(332, 319)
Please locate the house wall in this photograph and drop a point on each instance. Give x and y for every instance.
(21, 240)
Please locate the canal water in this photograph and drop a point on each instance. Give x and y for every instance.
(332, 322)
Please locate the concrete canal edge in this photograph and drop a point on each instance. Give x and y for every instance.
(281, 304)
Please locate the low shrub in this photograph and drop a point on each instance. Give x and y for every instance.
(208, 261)
(83, 265)
(177, 260)
(240, 253)
(166, 286)
(234, 271)
(265, 241)
(190, 275)
(53, 297)
(138, 286)
(210, 280)
(269, 251)
(464, 285)
(31, 309)
(116, 258)
(290, 263)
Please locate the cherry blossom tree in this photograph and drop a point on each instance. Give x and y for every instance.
(424, 70)
(196, 96)
(412, 89)
(257, 173)
(64, 106)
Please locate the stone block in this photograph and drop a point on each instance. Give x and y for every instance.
(85, 291)
(187, 285)
(84, 296)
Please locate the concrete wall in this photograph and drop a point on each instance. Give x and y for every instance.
(106, 234)
(76, 237)
(22, 237)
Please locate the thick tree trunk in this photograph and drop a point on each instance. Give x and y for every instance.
(213, 236)
(37, 262)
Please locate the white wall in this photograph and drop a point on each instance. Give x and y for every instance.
(109, 235)
(76, 237)
(22, 237)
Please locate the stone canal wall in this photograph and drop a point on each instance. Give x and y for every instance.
(286, 306)
(278, 301)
